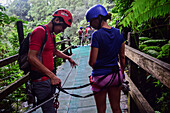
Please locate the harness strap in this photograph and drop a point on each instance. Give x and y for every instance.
(80, 96)
(114, 71)
(91, 83)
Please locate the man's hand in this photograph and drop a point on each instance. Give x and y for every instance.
(73, 64)
(55, 81)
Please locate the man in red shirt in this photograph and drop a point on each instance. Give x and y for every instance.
(80, 32)
(43, 78)
(87, 35)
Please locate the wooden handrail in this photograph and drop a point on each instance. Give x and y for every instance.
(141, 102)
(63, 41)
(13, 86)
(155, 67)
(8, 60)
(66, 49)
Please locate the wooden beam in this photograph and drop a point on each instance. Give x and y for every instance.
(63, 41)
(20, 31)
(155, 67)
(13, 86)
(66, 49)
(138, 98)
(8, 60)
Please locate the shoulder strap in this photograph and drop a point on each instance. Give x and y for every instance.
(43, 44)
(45, 39)
(54, 60)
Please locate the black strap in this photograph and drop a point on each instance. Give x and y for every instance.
(115, 69)
(43, 44)
(78, 87)
(36, 74)
(54, 60)
(80, 96)
(99, 80)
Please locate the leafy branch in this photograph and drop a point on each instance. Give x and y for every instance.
(143, 10)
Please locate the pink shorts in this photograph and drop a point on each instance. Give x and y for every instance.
(97, 86)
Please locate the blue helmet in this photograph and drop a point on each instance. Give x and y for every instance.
(88, 26)
(95, 11)
(81, 27)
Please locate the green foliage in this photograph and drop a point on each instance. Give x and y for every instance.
(122, 6)
(153, 48)
(165, 53)
(154, 42)
(19, 8)
(152, 53)
(142, 46)
(144, 38)
(143, 10)
(156, 48)
(164, 101)
(4, 18)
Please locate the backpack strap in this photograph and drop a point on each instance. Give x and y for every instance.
(45, 40)
(54, 59)
(38, 74)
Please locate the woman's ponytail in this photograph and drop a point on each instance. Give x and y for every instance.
(108, 16)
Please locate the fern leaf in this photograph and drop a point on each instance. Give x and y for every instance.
(156, 48)
(143, 10)
(152, 53)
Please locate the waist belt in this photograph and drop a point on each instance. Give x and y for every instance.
(44, 78)
(38, 76)
(115, 68)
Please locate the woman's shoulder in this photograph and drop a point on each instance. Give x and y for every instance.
(116, 29)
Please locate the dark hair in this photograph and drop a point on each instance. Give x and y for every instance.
(60, 19)
(108, 16)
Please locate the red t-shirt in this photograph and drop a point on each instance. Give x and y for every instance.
(87, 30)
(80, 32)
(36, 40)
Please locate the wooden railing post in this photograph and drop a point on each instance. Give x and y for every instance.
(20, 31)
(133, 41)
(62, 46)
(69, 43)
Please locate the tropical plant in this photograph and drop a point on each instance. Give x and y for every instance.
(144, 10)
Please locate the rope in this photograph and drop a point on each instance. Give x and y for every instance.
(31, 110)
(67, 76)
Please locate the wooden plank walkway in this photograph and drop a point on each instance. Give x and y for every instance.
(77, 77)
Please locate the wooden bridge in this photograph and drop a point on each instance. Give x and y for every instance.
(79, 76)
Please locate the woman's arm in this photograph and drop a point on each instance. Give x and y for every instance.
(93, 56)
(122, 57)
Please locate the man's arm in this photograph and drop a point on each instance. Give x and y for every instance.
(34, 61)
(64, 56)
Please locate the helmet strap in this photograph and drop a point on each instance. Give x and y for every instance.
(55, 24)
